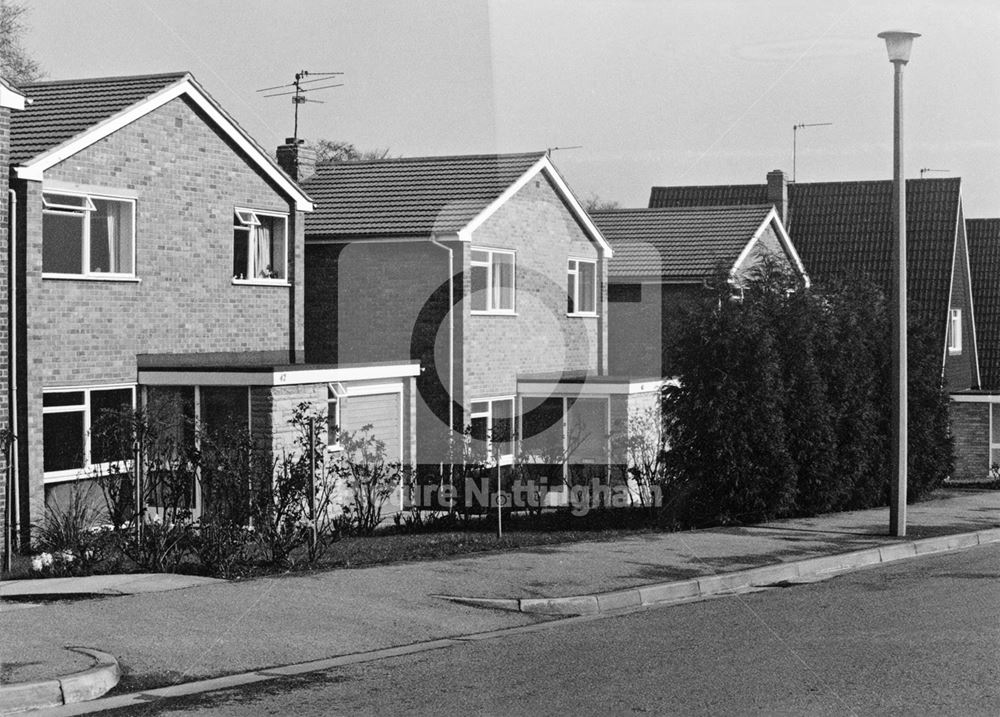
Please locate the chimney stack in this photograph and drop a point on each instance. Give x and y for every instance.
(777, 193)
(297, 158)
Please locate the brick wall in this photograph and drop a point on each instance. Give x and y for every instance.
(370, 301)
(187, 177)
(970, 426)
(541, 338)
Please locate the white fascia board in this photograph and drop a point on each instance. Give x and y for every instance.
(618, 388)
(975, 397)
(34, 169)
(10, 98)
(783, 239)
(352, 373)
(543, 164)
(286, 377)
(961, 231)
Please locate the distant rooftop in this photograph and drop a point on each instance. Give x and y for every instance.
(681, 243)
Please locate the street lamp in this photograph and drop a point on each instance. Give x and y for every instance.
(898, 44)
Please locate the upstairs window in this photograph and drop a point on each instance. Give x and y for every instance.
(87, 235)
(493, 281)
(259, 246)
(955, 332)
(581, 288)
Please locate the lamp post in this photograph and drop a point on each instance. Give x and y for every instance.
(898, 44)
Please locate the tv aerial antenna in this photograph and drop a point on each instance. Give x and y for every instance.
(795, 135)
(299, 91)
(925, 170)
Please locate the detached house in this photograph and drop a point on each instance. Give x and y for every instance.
(665, 257)
(487, 271)
(159, 256)
(976, 413)
(845, 228)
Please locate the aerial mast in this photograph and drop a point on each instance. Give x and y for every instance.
(299, 91)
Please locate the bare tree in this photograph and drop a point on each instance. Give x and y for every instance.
(16, 66)
(334, 150)
(596, 203)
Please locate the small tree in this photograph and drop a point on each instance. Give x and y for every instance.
(368, 475)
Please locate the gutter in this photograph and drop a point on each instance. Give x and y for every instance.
(12, 506)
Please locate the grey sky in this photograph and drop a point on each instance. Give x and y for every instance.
(657, 92)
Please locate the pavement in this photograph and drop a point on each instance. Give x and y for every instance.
(176, 630)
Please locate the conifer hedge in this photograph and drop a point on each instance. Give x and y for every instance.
(783, 402)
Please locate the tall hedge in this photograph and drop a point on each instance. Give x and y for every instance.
(783, 402)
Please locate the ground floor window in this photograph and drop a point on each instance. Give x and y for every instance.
(492, 421)
(69, 416)
(564, 437)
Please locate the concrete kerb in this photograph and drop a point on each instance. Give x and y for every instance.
(80, 686)
(722, 583)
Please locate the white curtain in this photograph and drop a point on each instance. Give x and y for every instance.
(114, 256)
(262, 250)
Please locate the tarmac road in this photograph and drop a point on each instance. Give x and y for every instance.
(919, 637)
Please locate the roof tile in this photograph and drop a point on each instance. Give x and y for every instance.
(62, 109)
(845, 228)
(678, 243)
(408, 197)
(984, 261)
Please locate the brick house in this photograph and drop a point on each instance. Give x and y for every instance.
(159, 264)
(10, 99)
(845, 228)
(976, 413)
(663, 260)
(486, 270)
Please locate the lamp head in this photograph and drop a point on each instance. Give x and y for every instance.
(898, 43)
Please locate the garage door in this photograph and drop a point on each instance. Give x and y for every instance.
(379, 410)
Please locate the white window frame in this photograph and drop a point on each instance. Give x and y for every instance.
(336, 395)
(955, 332)
(249, 218)
(488, 265)
(573, 274)
(504, 459)
(82, 472)
(84, 211)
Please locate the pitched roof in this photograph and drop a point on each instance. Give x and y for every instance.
(708, 195)
(62, 109)
(65, 116)
(984, 261)
(678, 243)
(845, 228)
(409, 197)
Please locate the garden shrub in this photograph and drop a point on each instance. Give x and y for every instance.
(783, 401)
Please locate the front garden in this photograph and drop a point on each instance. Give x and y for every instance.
(780, 410)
